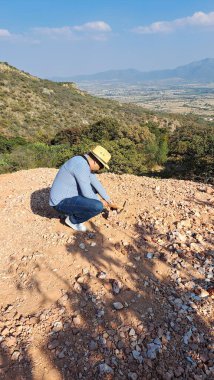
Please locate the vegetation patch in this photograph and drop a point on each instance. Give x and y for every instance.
(43, 123)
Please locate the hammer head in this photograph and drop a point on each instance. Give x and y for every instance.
(119, 211)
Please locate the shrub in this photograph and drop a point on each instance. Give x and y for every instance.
(7, 145)
(105, 129)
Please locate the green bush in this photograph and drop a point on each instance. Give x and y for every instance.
(35, 155)
(7, 145)
(187, 152)
(105, 129)
(191, 152)
(69, 136)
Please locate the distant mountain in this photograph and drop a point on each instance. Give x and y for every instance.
(200, 71)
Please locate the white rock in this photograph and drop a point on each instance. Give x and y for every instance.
(82, 246)
(132, 376)
(105, 368)
(203, 293)
(101, 275)
(149, 255)
(137, 258)
(57, 326)
(116, 286)
(118, 305)
(131, 332)
(187, 336)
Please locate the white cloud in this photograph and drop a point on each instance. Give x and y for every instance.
(95, 30)
(64, 31)
(95, 26)
(198, 19)
(4, 33)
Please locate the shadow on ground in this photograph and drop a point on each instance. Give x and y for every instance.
(156, 335)
(39, 201)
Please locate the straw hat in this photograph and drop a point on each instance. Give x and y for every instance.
(101, 155)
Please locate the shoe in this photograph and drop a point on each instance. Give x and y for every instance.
(77, 226)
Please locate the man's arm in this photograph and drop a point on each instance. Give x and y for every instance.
(98, 187)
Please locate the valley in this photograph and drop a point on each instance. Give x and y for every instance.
(183, 98)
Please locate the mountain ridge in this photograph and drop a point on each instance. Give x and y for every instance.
(199, 71)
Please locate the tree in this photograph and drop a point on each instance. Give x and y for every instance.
(105, 129)
(70, 136)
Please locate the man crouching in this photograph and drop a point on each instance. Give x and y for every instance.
(75, 186)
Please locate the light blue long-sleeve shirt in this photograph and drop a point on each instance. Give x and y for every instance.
(75, 178)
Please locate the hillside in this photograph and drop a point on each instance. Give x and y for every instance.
(43, 123)
(36, 108)
(59, 319)
(198, 71)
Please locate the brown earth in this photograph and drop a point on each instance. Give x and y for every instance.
(58, 287)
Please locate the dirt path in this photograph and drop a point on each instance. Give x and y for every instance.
(130, 299)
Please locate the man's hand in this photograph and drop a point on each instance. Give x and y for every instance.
(105, 204)
(113, 206)
(110, 205)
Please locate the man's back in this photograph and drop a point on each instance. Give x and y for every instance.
(65, 183)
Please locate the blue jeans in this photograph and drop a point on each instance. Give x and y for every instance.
(79, 208)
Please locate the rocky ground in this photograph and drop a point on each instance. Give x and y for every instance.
(130, 299)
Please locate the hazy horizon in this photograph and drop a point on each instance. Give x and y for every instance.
(72, 38)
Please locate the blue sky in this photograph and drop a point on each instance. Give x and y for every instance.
(69, 37)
